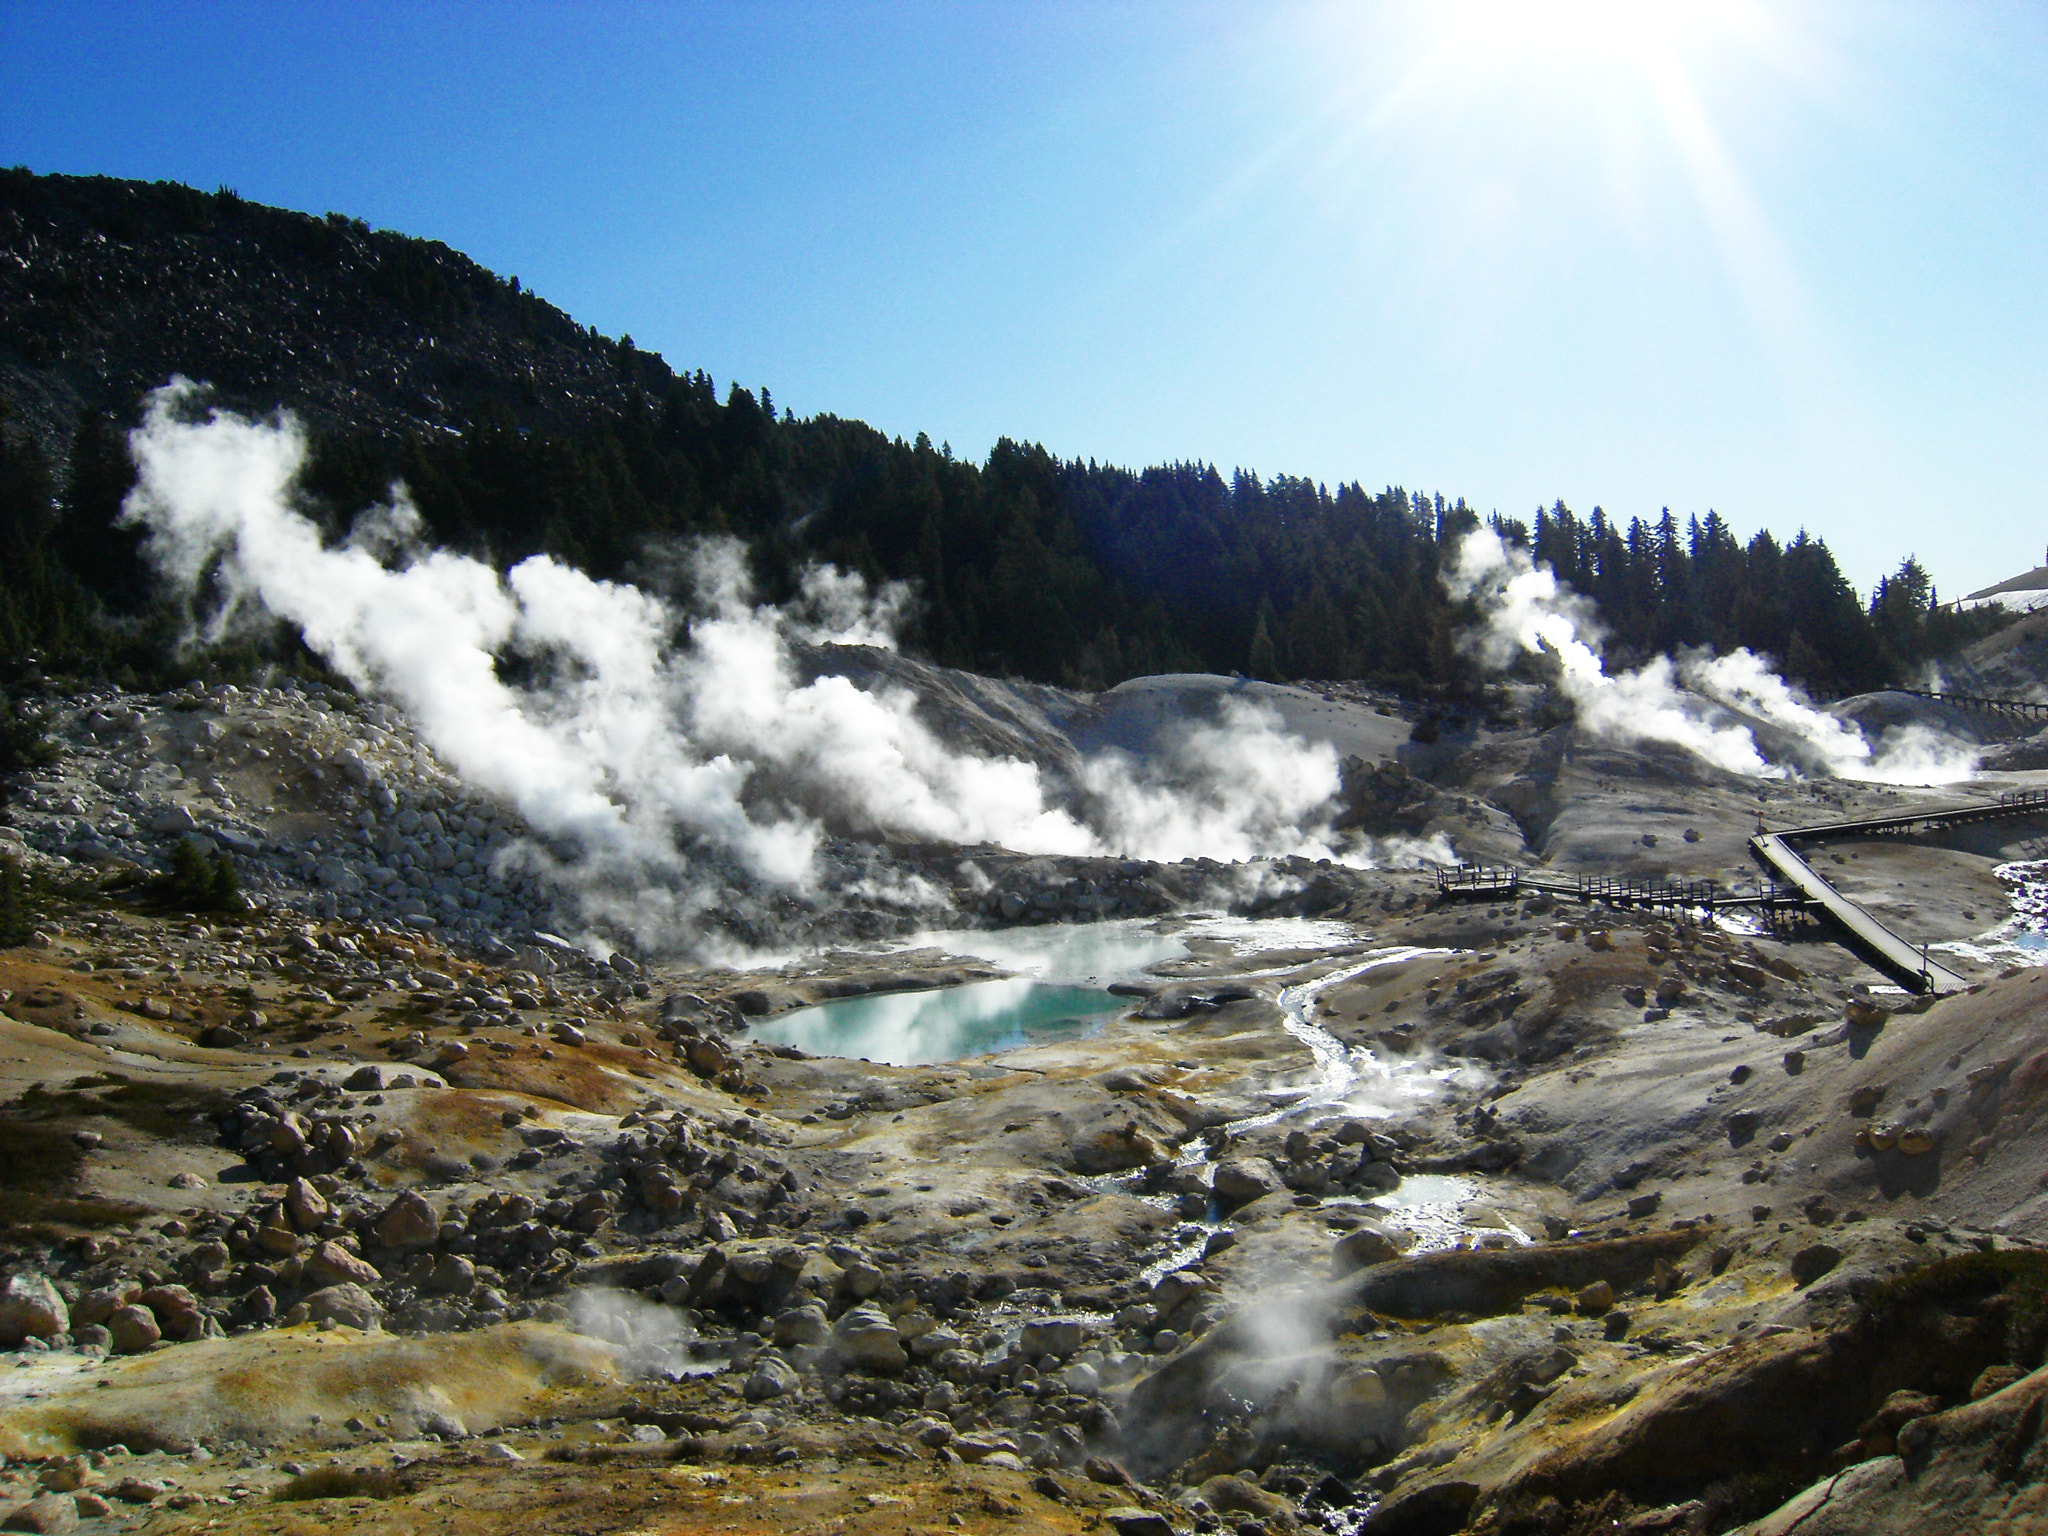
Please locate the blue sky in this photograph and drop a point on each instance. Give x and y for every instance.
(1784, 260)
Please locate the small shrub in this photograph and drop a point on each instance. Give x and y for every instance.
(24, 739)
(344, 1483)
(2019, 1277)
(21, 903)
(200, 879)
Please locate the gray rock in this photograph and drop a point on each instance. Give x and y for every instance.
(1240, 1181)
(132, 1329)
(1368, 1244)
(355, 769)
(172, 818)
(803, 1326)
(1050, 1336)
(347, 1304)
(771, 1377)
(865, 1336)
(46, 1512)
(1813, 1261)
(334, 875)
(30, 1308)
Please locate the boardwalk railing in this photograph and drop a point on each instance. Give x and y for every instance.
(1794, 885)
(1488, 881)
(2019, 709)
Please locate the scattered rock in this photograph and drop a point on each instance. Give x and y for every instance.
(45, 1513)
(1366, 1244)
(1595, 1298)
(408, 1222)
(771, 1377)
(1239, 1181)
(134, 1329)
(1813, 1261)
(349, 1305)
(31, 1308)
(865, 1336)
(1050, 1337)
(176, 1309)
(332, 1264)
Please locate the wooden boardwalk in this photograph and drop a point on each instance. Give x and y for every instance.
(2013, 709)
(1795, 884)
(1909, 963)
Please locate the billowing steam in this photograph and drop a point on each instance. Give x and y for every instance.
(1691, 701)
(652, 1340)
(673, 755)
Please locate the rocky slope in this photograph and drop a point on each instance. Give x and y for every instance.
(378, 1205)
(108, 288)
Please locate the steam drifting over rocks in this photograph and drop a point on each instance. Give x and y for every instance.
(1415, 1213)
(1714, 706)
(684, 759)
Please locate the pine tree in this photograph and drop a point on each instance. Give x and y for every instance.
(1263, 661)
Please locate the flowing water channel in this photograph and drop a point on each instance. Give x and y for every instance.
(1349, 1082)
(1061, 971)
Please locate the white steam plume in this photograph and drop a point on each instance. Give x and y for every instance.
(650, 736)
(1527, 610)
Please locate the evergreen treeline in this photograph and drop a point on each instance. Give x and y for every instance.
(1064, 571)
(1661, 587)
(1070, 572)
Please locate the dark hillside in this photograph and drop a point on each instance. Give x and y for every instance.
(108, 287)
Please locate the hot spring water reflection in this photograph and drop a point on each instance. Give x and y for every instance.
(1056, 994)
(911, 1028)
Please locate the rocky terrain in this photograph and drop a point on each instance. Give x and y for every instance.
(396, 1198)
(108, 287)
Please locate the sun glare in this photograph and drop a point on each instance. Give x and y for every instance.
(1642, 33)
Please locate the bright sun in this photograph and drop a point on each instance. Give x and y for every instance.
(1640, 32)
(1586, 48)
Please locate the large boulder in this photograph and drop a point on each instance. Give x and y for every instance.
(1117, 1149)
(133, 1329)
(47, 1513)
(1241, 1180)
(30, 1308)
(1977, 1467)
(1366, 1245)
(332, 1264)
(772, 1377)
(408, 1222)
(349, 1305)
(1488, 1282)
(1050, 1336)
(865, 1336)
(96, 1306)
(177, 1310)
(803, 1326)
(759, 1276)
(304, 1205)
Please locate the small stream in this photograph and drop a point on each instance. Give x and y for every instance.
(1338, 1081)
(1345, 1081)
